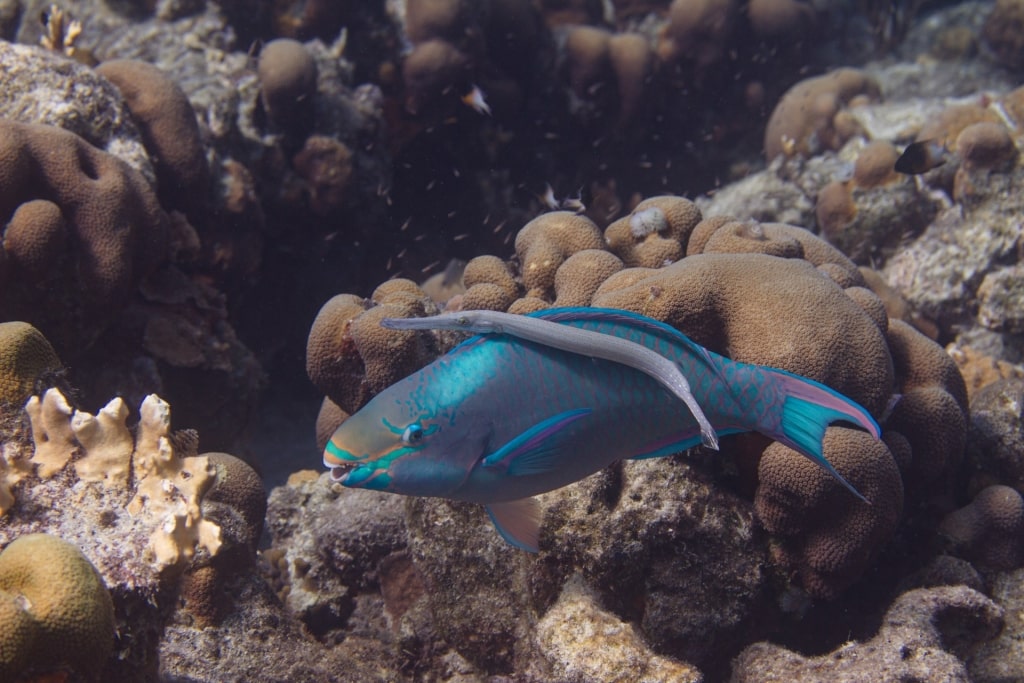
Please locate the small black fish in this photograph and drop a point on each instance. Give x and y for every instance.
(921, 157)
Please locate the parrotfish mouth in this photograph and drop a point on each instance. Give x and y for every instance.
(360, 476)
(340, 473)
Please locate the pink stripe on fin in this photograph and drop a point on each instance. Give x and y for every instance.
(815, 392)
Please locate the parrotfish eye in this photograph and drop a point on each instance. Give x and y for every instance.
(413, 434)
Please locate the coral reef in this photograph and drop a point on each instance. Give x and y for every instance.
(718, 295)
(183, 185)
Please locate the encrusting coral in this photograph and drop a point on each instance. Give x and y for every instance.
(55, 611)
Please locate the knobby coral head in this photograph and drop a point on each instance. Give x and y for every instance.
(756, 293)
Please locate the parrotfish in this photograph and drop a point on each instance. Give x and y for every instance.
(508, 415)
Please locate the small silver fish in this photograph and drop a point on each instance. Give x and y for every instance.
(475, 99)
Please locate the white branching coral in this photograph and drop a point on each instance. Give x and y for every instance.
(167, 489)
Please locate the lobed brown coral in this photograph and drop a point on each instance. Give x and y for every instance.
(811, 116)
(113, 232)
(287, 74)
(771, 294)
(697, 32)
(350, 357)
(169, 130)
(990, 529)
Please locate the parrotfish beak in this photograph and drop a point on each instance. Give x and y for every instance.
(362, 477)
(346, 470)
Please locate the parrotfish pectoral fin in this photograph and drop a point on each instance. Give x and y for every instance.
(518, 522)
(808, 410)
(538, 449)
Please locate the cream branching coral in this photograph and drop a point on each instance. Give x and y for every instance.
(168, 489)
(51, 431)
(107, 443)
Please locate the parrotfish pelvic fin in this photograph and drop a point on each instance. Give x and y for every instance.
(518, 522)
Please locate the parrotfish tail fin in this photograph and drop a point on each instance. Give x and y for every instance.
(809, 408)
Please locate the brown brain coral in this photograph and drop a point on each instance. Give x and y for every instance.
(115, 227)
(698, 31)
(655, 233)
(288, 75)
(829, 536)
(732, 304)
(169, 130)
(990, 529)
(547, 241)
(350, 357)
(931, 411)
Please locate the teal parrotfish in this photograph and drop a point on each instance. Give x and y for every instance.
(504, 417)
